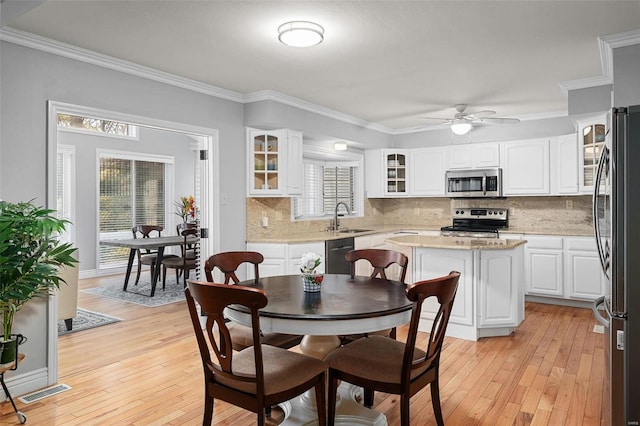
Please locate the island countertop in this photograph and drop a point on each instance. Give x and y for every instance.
(458, 243)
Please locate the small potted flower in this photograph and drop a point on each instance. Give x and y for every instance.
(308, 266)
(187, 209)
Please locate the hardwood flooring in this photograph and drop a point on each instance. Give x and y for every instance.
(146, 370)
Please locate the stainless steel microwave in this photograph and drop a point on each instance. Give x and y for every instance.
(474, 183)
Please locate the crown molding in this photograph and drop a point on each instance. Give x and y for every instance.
(84, 55)
(606, 45)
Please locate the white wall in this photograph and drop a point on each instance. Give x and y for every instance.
(29, 78)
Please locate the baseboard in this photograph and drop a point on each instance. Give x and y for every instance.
(558, 301)
(20, 384)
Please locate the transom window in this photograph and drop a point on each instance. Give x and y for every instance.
(98, 125)
(325, 185)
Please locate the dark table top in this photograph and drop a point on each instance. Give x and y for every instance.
(355, 305)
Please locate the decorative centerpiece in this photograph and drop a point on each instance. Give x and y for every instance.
(187, 209)
(311, 280)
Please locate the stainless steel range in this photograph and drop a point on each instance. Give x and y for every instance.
(476, 223)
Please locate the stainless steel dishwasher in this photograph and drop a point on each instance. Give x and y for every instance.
(335, 263)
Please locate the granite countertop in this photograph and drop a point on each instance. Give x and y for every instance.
(319, 236)
(457, 243)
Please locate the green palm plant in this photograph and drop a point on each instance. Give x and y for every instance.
(30, 255)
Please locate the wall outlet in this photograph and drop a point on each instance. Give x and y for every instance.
(512, 211)
(569, 205)
(279, 216)
(416, 211)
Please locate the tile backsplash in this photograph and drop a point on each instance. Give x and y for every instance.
(572, 214)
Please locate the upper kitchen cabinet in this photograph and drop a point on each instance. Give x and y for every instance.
(428, 167)
(275, 167)
(591, 139)
(386, 173)
(480, 155)
(564, 164)
(526, 167)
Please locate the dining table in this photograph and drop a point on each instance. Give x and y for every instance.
(157, 243)
(344, 305)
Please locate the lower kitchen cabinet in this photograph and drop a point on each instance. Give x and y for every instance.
(282, 258)
(563, 267)
(490, 296)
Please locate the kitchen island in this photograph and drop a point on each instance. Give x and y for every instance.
(490, 297)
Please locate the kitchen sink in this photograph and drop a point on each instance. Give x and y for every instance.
(353, 231)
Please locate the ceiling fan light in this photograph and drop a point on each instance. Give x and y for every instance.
(300, 33)
(461, 127)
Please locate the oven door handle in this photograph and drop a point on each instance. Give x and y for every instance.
(484, 183)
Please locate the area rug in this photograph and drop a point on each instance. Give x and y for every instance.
(85, 320)
(140, 294)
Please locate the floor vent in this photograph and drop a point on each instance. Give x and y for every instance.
(598, 328)
(37, 396)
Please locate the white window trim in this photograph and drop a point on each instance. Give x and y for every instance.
(70, 198)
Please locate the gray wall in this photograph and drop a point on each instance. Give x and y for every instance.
(590, 100)
(626, 75)
(151, 141)
(29, 78)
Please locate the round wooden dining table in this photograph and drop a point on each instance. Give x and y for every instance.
(343, 306)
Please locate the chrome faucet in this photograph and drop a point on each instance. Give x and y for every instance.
(336, 222)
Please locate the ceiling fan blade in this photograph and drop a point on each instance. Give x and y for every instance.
(497, 120)
(481, 114)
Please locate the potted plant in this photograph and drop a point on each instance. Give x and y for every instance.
(30, 255)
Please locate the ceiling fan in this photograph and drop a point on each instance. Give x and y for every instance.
(462, 122)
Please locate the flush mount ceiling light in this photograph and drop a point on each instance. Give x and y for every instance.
(340, 146)
(461, 127)
(300, 33)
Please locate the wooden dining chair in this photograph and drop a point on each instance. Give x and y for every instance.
(182, 264)
(147, 257)
(380, 260)
(257, 377)
(395, 367)
(228, 263)
(190, 251)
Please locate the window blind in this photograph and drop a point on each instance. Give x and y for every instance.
(324, 187)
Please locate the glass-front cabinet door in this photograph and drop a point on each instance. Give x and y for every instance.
(395, 164)
(265, 161)
(591, 141)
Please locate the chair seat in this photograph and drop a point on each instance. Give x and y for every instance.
(242, 338)
(357, 357)
(177, 262)
(352, 337)
(283, 369)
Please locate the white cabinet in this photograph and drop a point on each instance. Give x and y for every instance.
(565, 165)
(501, 296)
(427, 169)
(480, 155)
(296, 251)
(386, 173)
(274, 165)
(433, 263)
(281, 258)
(275, 257)
(402, 173)
(592, 133)
(526, 167)
(583, 274)
(543, 265)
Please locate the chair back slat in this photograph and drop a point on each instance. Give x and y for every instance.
(444, 290)
(228, 263)
(146, 231)
(380, 260)
(213, 298)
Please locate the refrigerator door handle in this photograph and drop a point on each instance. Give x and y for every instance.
(596, 312)
(604, 159)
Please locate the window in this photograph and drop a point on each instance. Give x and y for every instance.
(65, 189)
(326, 184)
(99, 125)
(132, 191)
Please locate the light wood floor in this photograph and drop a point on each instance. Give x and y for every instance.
(146, 370)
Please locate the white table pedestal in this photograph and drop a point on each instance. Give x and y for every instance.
(302, 409)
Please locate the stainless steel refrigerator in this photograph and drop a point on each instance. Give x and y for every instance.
(616, 208)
